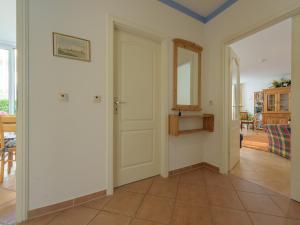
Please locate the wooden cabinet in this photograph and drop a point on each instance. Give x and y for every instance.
(276, 105)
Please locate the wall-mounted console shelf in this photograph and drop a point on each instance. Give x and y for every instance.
(208, 124)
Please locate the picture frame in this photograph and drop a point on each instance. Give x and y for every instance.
(71, 47)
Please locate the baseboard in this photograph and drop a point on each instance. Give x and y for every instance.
(194, 167)
(64, 205)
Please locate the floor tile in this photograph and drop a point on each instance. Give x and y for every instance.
(289, 207)
(75, 216)
(185, 214)
(195, 177)
(272, 192)
(222, 216)
(143, 222)
(105, 218)
(259, 203)
(156, 209)
(193, 194)
(125, 203)
(141, 187)
(260, 219)
(164, 189)
(41, 220)
(246, 186)
(225, 198)
(217, 180)
(173, 179)
(98, 203)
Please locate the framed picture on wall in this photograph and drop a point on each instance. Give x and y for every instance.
(71, 47)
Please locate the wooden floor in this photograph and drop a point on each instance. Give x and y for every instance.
(8, 198)
(266, 169)
(257, 139)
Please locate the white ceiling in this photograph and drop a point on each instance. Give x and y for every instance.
(202, 7)
(266, 53)
(8, 21)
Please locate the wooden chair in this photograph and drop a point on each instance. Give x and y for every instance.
(246, 120)
(7, 146)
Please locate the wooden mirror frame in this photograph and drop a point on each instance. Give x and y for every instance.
(195, 48)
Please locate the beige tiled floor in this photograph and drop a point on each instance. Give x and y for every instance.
(264, 168)
(195, 198)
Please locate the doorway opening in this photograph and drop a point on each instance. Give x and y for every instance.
(8, 99)
(260, 132)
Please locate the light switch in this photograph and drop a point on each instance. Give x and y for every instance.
(97, 99)
(63, 97)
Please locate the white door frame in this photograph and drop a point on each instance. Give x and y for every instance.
(123, 24)
(22, 111)
(232, 57)
(226, 78)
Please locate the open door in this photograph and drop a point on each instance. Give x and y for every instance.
(234, 126)
(295, 122)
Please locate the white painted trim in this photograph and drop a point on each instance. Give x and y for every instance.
(248, 32)
(113, 22)
(22, 111)
(295, 109)
(226, 111)
(109, 104)
(164, 109)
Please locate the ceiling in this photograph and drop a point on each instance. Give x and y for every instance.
(202, 10)
(8, 21)
(266, 53)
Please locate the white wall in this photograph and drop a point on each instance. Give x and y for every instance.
(254, 84)
(8, 22)
(67, 155)
(239, 18)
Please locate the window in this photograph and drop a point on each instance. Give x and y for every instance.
(8, 80)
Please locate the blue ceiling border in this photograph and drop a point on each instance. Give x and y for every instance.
(196, 15)
(184, 10)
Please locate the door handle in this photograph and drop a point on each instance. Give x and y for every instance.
(119, 102)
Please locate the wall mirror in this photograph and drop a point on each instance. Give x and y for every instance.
(187, 76)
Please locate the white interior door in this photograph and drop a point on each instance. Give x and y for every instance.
(234, 143)
(136, 120)
(295, 107)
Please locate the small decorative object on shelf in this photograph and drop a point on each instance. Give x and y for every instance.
(179, 113)
(208, 124)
